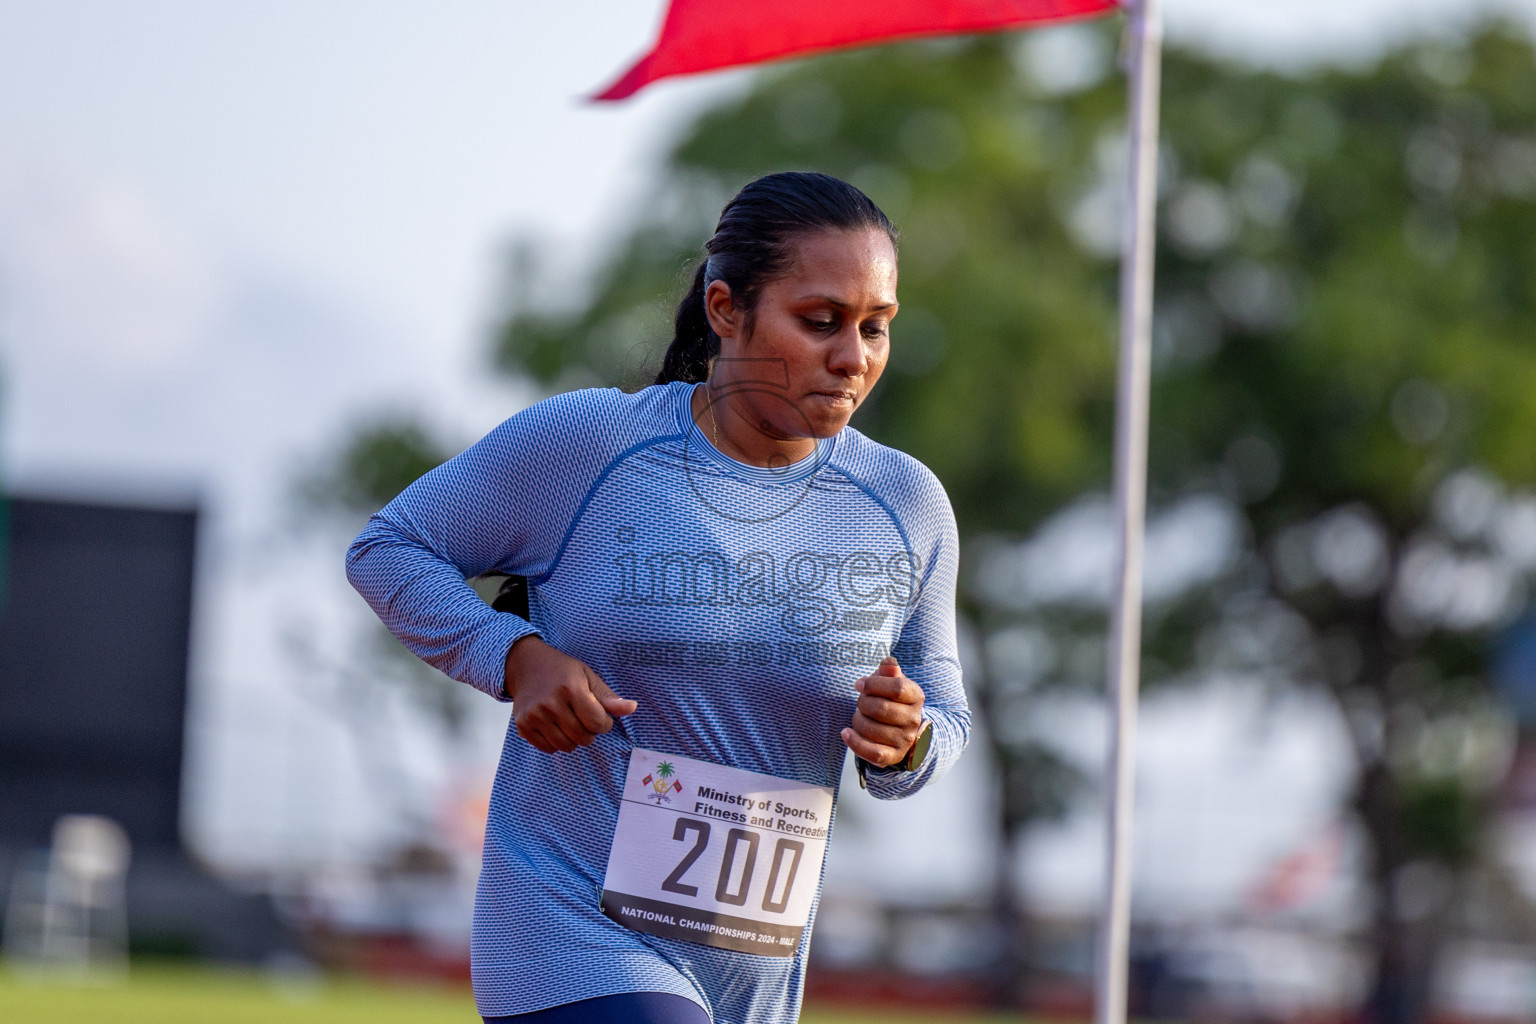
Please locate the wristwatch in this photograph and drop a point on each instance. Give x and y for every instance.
(911, 763)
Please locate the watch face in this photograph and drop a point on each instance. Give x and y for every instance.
(920, 748)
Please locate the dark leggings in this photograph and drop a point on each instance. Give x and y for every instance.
(627, 1008)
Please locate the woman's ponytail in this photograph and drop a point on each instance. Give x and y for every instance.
(693, 343)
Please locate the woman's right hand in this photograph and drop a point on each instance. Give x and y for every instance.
(558, 702)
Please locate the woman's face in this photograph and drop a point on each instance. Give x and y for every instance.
(818, 337)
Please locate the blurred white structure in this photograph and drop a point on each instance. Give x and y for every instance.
(68, 913)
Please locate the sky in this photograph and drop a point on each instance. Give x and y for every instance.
(229, 231)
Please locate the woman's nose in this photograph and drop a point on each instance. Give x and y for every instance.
(847, 357)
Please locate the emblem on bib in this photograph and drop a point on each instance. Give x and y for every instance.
(734, 864)
(660, 781)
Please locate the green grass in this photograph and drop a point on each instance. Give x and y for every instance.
(207, 995)
(203, 995)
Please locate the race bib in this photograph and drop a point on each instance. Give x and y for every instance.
(716, 855)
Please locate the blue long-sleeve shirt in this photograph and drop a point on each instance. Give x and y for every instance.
(736, 604)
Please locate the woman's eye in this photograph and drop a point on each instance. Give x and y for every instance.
(820, 325)
(876, 330)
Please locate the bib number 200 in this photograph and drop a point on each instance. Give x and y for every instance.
(707, 853)
(735, 840)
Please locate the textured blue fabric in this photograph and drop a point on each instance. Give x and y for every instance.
(736, 604)
(629, 1008)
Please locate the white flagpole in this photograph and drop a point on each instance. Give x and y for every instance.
(1144, 65)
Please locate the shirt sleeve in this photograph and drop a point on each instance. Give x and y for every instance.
(928, 652)
(501, 505)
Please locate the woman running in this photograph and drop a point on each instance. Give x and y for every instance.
(729, 588)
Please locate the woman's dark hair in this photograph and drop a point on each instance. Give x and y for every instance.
(754, 243)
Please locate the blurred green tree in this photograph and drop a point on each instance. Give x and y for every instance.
(1344, 371)
(377, 459)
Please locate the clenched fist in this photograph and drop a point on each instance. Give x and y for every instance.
(558, 702)
(889, 716)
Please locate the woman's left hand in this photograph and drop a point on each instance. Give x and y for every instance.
(889, 716)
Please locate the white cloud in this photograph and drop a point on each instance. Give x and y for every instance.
(95, 273)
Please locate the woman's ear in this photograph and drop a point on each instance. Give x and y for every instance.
(724, 318)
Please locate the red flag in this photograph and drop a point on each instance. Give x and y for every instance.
(702, 35)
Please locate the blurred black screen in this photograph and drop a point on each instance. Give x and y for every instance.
(94, 622)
